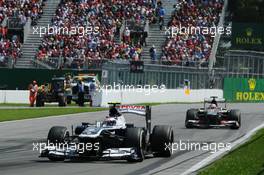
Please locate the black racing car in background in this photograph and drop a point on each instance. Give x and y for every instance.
(213, 115)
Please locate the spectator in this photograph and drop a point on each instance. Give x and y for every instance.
(154, 3)
(161, 13)
(143, 41)
(153, 53)
(127, 38)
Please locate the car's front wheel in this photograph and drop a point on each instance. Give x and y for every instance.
(235, 115)
(190, 115)
(136, 139)
(57, 135)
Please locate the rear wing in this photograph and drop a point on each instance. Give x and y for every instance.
(209, 100)
(138, 110)
(214, 98)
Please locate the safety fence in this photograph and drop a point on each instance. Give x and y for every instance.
(172, 77)
(233, 64)
(244, 64)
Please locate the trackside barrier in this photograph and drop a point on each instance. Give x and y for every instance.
(101, 98)
(13, 96)
(159, 96)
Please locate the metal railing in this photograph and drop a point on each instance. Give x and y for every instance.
(40, 65)
(239, 63)
(172, 77)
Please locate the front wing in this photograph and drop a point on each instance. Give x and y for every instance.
(108, 154)
(197, 123)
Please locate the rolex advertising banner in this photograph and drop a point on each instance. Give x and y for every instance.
(244, 90)
(249, 36)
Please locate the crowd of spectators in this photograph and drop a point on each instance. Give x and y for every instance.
(21, 10)
(192, 48)
(9, 49)
(104, 20)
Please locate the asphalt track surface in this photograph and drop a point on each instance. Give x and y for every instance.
(18, 158)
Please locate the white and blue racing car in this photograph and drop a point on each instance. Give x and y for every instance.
(110, 139)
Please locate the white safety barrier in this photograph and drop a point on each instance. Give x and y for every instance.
(159, 96)
(13, 96)
(102, 97)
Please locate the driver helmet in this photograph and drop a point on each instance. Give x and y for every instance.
(113, 112)
(213, 106)
(109, 121)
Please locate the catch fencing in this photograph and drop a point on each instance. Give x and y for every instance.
(172, 77)
(241, 64)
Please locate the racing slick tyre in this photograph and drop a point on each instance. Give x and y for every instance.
(161, 139)
(190, 115)
(235, 115)
(57, 134)
(136, 139)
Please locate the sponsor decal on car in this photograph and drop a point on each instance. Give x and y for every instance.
(132, 109)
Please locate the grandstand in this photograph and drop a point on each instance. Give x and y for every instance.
(123, 31)
(86, 35)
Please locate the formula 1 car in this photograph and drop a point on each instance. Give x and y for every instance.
(110, 139)
(213, 115)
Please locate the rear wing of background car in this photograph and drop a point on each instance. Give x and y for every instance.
(209, 100)
(138, 110)
(216, 99)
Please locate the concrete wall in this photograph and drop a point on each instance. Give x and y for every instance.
(127, 97)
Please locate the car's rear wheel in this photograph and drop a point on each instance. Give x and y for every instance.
(136, 139)
(190, 115)
(57, 135)
(235, 115)
(162, 138)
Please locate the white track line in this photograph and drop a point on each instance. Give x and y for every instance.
(220, 153)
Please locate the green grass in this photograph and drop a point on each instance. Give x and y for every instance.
(19, 114)
(248, 159)
(14, 105)
(27, 105)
